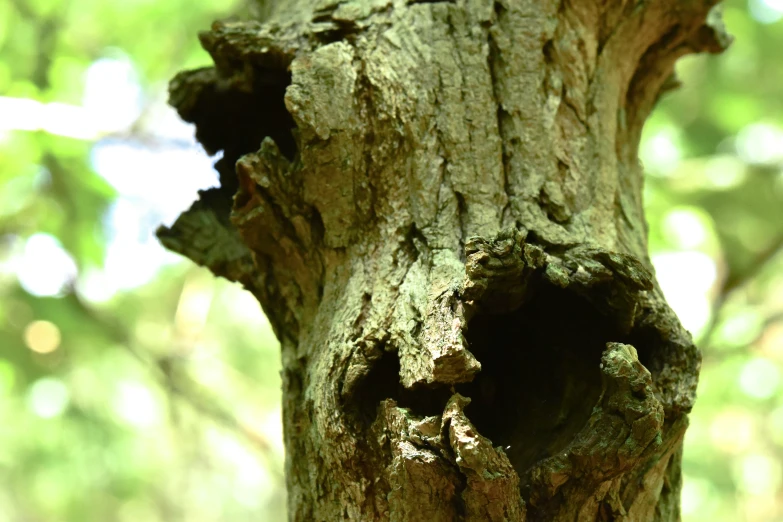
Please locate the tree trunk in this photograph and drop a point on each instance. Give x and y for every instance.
(444, 224)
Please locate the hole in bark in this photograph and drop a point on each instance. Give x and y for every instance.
(383, 382)
(644, 340)
(236, 121)
(540, 373)
(549, 51)
(462, 214)
(323, 15)
(317, 228)
(657, 352)
(335, 33)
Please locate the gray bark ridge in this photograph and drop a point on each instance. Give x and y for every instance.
(438, 205)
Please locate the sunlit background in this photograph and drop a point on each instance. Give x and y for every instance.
(135, 386)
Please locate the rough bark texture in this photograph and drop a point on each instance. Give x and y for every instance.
(438, 205)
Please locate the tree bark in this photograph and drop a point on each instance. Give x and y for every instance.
(444, 224)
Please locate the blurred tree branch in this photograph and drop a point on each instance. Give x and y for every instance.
(47, 33)
(165, 372)
(736, 281)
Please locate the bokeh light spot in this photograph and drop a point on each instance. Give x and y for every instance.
(686, 279)
(662, 152)
(725, 172)
(42, 336)
(758, 474)
(695, 494)
(740, 328)
(766, 11)
(760, 143)
(48, 397)
(732, 431)
(771, 342)
(112, 93)
(686, 228)
(45, 268)
(135, 404)
(775, 425)
(759, 378)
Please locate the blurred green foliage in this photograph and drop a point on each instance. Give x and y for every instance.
(133, 389)
(156, 401)
(713, 151)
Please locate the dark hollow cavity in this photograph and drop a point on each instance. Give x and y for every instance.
(540, 374)
(236, 121)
